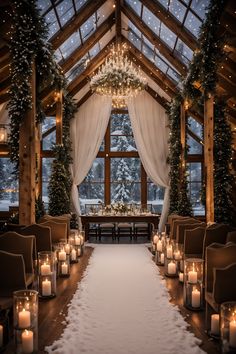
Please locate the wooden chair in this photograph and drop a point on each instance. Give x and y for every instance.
(182, 221)
(220, 275)
(193, 242)
(181, 228)
(124, 229)
(171, 219)
(42, 235)
(58, 230)
(62, 219)
(231, 237)
(106, 229)
(216, 233)
(25, 245)
(142, 229)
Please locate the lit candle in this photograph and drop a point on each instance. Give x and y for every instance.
(62, 255)
(195, 298)
(232, 334)
(155, 239)
(73, 254)
(1, 335)
(77, 240)
(171, 268)
(45, 269)
(67, 248)
(24, 319)
(27, 341)
(162, 258)
(46, 287)
(81, 239)
(215, 324)
(169, 252)
(192, 276)
(159, 246)
(177, 255)
(64, 268)
(181, 276)
(79, 251)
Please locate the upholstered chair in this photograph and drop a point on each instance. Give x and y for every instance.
(42, 235)
(193, 242)
(58, 230)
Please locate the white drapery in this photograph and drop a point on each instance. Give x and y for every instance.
(87, 131)
(150, 127)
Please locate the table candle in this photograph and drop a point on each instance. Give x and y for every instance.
(73, 254)
(171, 268)
(159, 246)
(27, 341)
(181, 277)
(232, 334)
(192, 276)
(195, 298)
(67, 248)
(46, 287)
(162, 258)
(155, 239)
(62, 255)
(64, 268)
(24, 319)
(169, 252)
(45, 269)
(177, 255)
(1, 335)
(215, 324)
(77, 240)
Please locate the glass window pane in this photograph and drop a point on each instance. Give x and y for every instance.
(121, 133)
(199, 7)
(79, 4)
(164, 3)
(126, 192)
(135, 40)
(77, 69)
(192, 23)
(136, 5)
(51, 20)
(151, 20)
(161, 64)
(43, 5)
(173, 75)
(155, 196)
(195, 171)
(167, 36)
(177, 9)
(65, 11)
(195, 187)
(183, 51)
(9, 193)
(148, 52)
(195, 127)
(94, 51)
(70, 44)
(88, 27)
(46, 172)
(194, 146)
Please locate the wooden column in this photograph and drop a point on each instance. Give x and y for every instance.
(59, 114)
(27, 161)
(183, 138)
(208, 157)
(38, 162)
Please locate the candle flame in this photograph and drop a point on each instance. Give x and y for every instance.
(26, 332)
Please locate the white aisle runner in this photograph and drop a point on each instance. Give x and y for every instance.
(122, 307)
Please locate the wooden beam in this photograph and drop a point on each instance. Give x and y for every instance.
(154, 39)
(27, 164)
(59, 117)
(171, 22)
(161, 100)
(83, 49)
(208, 156)
(118, 21)
(84, 98)
(71, 26)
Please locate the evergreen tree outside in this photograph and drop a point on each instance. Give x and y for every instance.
(122, 190)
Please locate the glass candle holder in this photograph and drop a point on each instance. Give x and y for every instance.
(193, 283)
(63, 264)
(171, 269)
(228, 326)
(46, 274)
(154, 240)
(25, 320)
(178, 256)
(160, 247)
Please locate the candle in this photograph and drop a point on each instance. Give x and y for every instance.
(79, 251)
(64, 268)
(81, 239)
(24, 319)
(67, 249)
(27, 341)
(62, 255)
(159, 246)
(181, 277)
(77, 240)
(195, 298)
(46, 287)
(162, 258)
(232, 334)
(153, 247)
(155, 239)
(1, 335)
(45, 269)
(73, 254)
(171, 268)
(192, 276)
(215, 324)
(177, 255)
(169, 252)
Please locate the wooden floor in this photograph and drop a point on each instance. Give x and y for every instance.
(52, 312)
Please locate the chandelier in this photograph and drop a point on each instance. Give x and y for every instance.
(118, 78)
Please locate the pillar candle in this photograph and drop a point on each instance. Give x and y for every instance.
(232, 334)
(155, 239)
(192, 277)
(81, 239)
(45, 269)
(169, 252)
(1, 335)
(215, 324)
(27, 341)
(195, 298)
(171, 268)
(177, 255)
(62, 255)
(181, 277)
(46, 287)
(159, 246)
(24, 319)
(77, 240)
(67, 249)
(79, 251)
(64, 268)
(162, 258)
(73, 254)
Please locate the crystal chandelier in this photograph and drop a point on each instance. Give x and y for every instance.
(118, 78)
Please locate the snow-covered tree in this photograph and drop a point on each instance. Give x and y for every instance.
(122, 191)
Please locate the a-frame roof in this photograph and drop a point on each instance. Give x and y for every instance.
(161, 36)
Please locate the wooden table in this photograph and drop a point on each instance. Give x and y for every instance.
(98, 219)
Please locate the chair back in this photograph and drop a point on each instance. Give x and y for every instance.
(180, 232)
(62, 219)
(178, 222)
(13, 242)
(58, 230)
(173, 217)
(12, 273)
(218, 256)
(193, 241)
(224, 287)
(216, 233)
(231, 237)
(42, 235)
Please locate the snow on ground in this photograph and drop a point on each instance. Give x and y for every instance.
(122, 306)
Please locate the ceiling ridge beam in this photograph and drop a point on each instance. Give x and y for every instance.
(78, 53)
(71, 26)
(155, 40)
(171, 22)
(118, 20)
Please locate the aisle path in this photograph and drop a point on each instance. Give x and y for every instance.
(122, 307)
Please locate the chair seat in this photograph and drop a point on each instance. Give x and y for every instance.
(124, 225)
(141, 225)
(107, 225)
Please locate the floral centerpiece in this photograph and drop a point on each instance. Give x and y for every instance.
(118, 208)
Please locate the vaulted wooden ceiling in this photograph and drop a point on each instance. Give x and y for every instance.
(161, 36)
